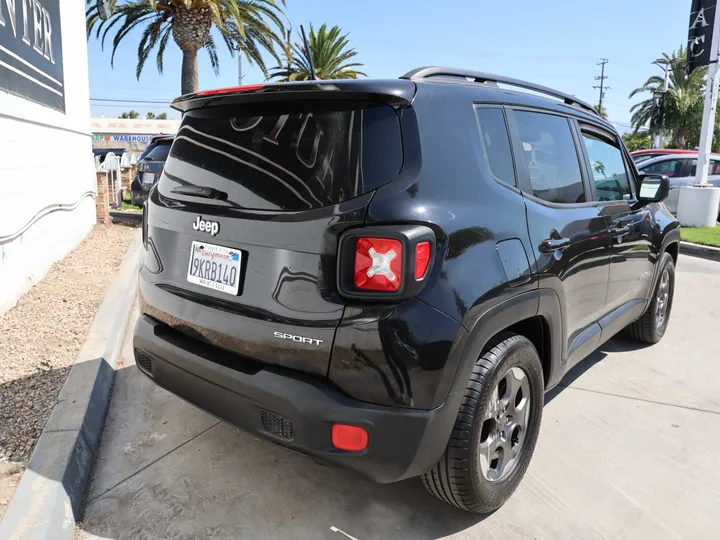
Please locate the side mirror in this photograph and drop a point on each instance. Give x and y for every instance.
(653, 188)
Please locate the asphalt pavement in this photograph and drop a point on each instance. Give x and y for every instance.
(629, 449)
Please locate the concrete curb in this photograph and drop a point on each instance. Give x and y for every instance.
(697, 250)
(47, 500)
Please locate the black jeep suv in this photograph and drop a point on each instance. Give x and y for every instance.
(387, 275)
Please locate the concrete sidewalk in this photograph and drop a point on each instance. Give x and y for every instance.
(628, 449)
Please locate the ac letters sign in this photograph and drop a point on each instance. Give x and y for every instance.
(31, 59)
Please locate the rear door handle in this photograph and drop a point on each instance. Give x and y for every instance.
(619, 231)
(550, 245)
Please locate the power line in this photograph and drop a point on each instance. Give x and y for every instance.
(602, 86)
(119, 100)
(126, 106)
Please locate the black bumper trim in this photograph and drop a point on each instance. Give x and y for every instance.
(402, 442)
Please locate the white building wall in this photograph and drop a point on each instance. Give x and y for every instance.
(47, 179)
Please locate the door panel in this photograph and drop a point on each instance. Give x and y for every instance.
(631, 254)
(630, 227)
(578, 273)
(569, 236)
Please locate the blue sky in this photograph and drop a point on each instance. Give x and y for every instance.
(553, 42)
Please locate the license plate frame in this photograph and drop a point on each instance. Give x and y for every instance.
(216, 268)
(148, 178)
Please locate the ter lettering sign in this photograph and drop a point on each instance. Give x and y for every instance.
(700, 33)
(31, 60)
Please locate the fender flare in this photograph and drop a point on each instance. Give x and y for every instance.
(543, 302)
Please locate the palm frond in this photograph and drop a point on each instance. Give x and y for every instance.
(330, 54)
(252, 26)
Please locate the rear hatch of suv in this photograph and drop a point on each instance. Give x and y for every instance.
(244, 223)
(151, 162)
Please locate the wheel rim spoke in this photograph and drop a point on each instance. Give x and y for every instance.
(662, 299)
(504, 425)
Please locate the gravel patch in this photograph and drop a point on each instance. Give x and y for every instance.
(41, 336)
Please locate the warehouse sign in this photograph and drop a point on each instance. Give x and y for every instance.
(123, 138)
(31, 60)
(700, 33)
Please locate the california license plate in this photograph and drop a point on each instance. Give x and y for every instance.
(215, 267)
(148, 178)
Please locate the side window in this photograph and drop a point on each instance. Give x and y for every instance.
(693, 166)
(713, 169)
(551, 157)
(496, 143)
(608, 168)
(668, 167)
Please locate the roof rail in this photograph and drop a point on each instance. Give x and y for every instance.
(480, 77)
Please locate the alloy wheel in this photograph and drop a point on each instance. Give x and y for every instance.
(662, 300)
(504, 425)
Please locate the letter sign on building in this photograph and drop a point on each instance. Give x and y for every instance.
(31, 59)
(700, 33)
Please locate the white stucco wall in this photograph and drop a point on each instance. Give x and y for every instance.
(46, 163)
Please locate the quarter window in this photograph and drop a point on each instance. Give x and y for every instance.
(551, 157)
(496, 144)
(608, 168)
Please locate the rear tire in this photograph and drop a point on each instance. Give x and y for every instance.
(496, 429)
(651, 326)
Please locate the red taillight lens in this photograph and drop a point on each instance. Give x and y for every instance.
(350, 438)
(422, 259)
(230, 90)
(378, 264)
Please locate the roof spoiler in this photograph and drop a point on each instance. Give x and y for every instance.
(397, 93)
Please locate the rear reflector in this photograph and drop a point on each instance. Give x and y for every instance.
(422, 259)
(351, 438)
(378, 264)
(230, 90)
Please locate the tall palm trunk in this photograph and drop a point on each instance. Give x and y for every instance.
(190, 83)
(191, 28)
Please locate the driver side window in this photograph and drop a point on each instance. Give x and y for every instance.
(607, 167)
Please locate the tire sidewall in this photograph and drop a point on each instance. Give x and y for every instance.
(521, 353)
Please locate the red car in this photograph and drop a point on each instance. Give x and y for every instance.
(642, 155)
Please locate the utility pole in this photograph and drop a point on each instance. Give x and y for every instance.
(239, 53)
(240, 75)
(602, 86)
(660, 137)
(289, 49)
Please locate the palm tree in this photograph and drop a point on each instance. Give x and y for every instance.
(330, 57)
(602, 112)
(244, 25)
(682, 104)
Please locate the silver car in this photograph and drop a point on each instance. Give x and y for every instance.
(680, 169)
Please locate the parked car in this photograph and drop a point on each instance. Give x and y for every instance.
(681, 170)
(387, 275)
(642, 155)
(150, 166)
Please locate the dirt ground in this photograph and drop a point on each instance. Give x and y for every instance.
(40, 338)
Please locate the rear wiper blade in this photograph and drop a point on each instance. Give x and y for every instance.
(198, 191)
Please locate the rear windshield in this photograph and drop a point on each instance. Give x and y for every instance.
(294, 158)
(159, 152)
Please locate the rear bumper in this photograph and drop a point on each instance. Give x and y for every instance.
(402, 443)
